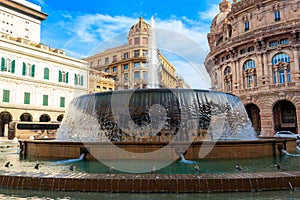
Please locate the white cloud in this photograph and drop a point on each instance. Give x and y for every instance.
(86, 34)
(210, 13)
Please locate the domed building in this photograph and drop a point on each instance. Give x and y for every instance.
(128, 63)
(254, 54)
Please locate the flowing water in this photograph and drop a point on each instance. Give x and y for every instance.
(176, 114)
(153, 60)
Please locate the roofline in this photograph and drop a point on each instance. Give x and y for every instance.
(24, 9)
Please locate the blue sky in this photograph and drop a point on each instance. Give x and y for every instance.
(83, 28)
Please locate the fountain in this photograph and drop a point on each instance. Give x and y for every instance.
(154, 127)
(153, 61)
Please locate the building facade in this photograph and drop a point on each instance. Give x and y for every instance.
(36, 81)
(254, 54)
(128, 63)
(100, 81)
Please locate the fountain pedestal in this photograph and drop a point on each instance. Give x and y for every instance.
(222, 149)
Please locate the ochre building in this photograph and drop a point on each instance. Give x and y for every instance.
(254, 54)
(128, 63)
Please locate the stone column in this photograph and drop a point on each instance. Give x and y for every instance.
(277, 76)
(296, 62)
(286, 75)
(265, 62)
(260, 72)
(238, 75)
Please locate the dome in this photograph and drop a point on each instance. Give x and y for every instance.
(225, 8)
(140, 26)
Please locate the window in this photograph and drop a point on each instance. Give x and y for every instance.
(228, 86)
(45, 100)
(228, 79)
(8, 65)
(136, 40)
(99, 61)
(106, 60)
(284, 41)
(62, 102)
(26, 98)
(246, 25)
(145, 41)
(91, 64)
(136, 75)
(249, 74)
(281, 76)
(125, 67)
(145, 75)
(115, 69)
(250, 49)
(78, 79)
(28, 70)
(273, 43)
(280, 57)
(281, 73)
(227, 71)
(125, 76)
(125, 55)
(6, 94)
(46, 73)
(281, 68)
(63, 76)
(114, 58)
(242, 51)
(274, 77)
(249, 64)
(136, 53)
(136, 65)
(277, 16)
(144, 64)
(145, 53)
(107, 70)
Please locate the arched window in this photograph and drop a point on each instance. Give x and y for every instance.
(227, 79)
(249, 64)
(281, 68)
(227, 70)
(46, 73)
(283, 57)
(249, 74)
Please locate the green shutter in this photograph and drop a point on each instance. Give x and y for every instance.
(81, 81)
(2, 64)
(75, 79)
(45, 100)
(46, 73)
(32, 70)
(59, 76)
(13, 66)
(62, 102)
(26, 98)
(6, 96)
(24, 69)
(67, 77)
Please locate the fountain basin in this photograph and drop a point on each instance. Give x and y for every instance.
(105, 151)
(146, 183)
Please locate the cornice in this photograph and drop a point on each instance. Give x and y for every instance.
(45, 57)
(23, 9)
(45, 84)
